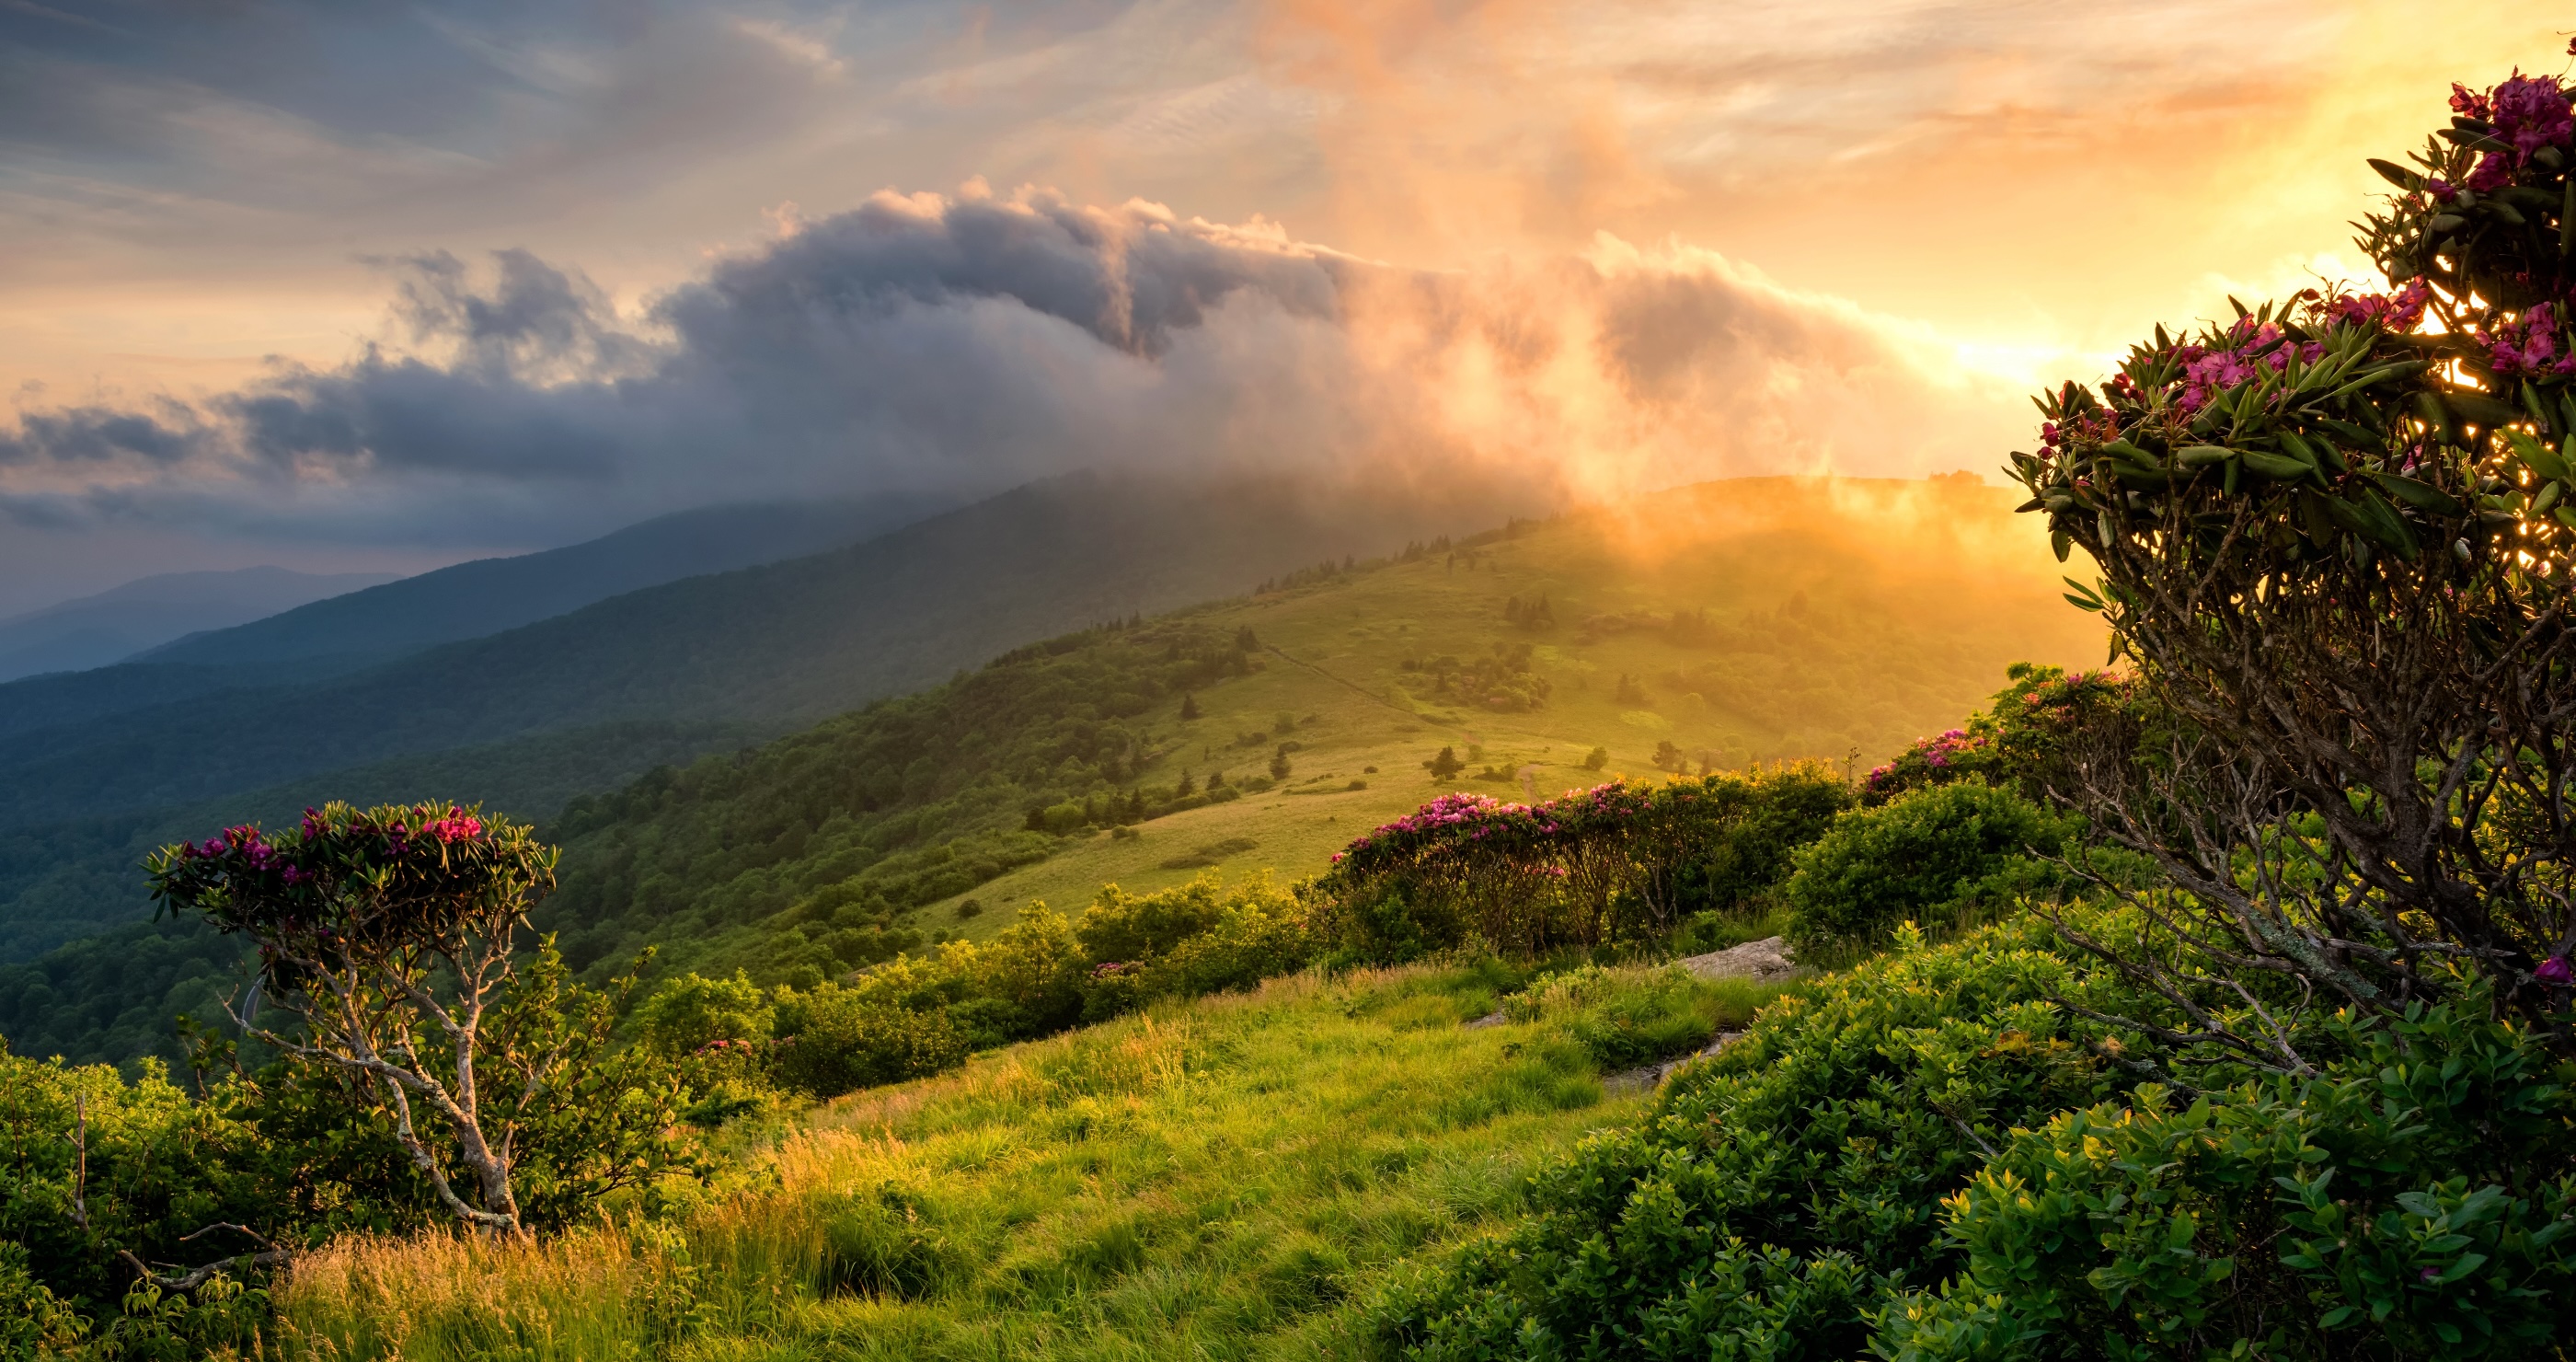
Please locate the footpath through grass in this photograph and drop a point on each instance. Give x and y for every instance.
(1224, 1179)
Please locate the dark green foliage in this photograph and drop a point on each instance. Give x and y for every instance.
(837, 1039)
(2412, 1200)
(1499, 680)
(1774, 1194)
(814, 849)
(111, 998)
(1933, 857)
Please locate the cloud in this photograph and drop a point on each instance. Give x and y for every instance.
(965, 343)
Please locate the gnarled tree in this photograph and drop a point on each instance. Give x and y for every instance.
(387, 939)
(2334, 539)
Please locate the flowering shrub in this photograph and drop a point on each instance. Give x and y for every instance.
(2334, 538)
(1622, 859)
(391, 978)
(2019, 739)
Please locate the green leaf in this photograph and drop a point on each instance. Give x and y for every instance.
(2381, 522)
(2201, 456)
(2481, 410)
(2277, 465)
(2420, 495)
(2396, 174)
(2538, 457)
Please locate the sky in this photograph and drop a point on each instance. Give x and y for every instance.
(373, 287)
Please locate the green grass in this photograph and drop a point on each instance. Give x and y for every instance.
(1226, 1179)
(1848, 618)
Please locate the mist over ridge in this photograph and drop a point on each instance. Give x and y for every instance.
(952, 346)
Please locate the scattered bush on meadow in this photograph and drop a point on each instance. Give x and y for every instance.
(915, 1016)
(390, 970)
(1937, 856)
(1621, 862)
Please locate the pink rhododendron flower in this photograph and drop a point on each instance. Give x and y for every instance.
(2531, 112)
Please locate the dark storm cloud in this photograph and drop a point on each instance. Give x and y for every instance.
(1130, 278)
(959, 345)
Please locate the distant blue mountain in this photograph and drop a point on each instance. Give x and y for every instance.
(490, 595)
(113, 625)
(362, 628)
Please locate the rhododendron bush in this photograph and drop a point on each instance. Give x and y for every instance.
(2333, 538)
(1618, 861)
(388, 959)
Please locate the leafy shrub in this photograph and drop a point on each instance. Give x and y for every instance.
(2412, 1200)
(1929, 856)
(1026, 981)
(2333, 537)
(1188, 941)
(1124, 927)
(688, 1014)
(838, 1039)
(1774, 1194)
(2020, 739)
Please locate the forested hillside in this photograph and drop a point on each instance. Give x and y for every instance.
(601, 693)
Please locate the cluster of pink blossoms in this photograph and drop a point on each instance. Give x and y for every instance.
(2399, 311)
(1481, 815)
(1936, 752)
(2528, 345)
(455, 828)
(2255, 347)
(257, 853)
(2530, 112)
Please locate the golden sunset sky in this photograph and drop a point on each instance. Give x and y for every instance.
(1647, 242)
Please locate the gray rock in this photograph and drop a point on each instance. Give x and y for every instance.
(1763, 961)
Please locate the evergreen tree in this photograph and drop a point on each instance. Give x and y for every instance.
(1445, 765)
(1279, 766)
(1189, 706)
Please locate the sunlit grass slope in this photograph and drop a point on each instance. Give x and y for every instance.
(1227, 1178)
(1838, 619)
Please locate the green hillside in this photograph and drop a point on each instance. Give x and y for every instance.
(523, 718)
(1721, 625)
(1750, 621)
